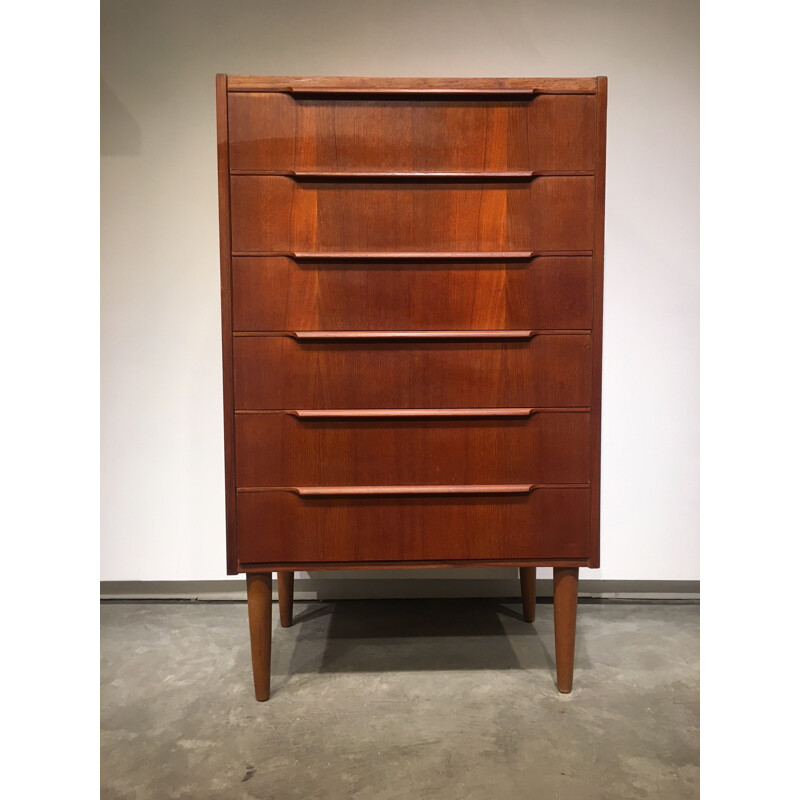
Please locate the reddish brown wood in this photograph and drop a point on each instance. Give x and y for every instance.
(227, 321)
(280, 526)
(412, 329)
(322, 566)
(418, 255)
(279, 449)
(413, 255)
(254, 83)
(437, 489)
(279, 294)
(286, 596)
(527, 581)
(427, 336)
(412, 134)
(484, 176)
(565, 607)
(597, 321)
(281, 373)
(407, 413)
(259, 612)
(280, 213)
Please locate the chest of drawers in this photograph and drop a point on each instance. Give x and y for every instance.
(411, 276)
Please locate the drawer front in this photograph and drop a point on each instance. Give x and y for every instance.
(278, 372)
(280, 449)
(272, 131)
(280, 294)
(282, 527)
(281, 214)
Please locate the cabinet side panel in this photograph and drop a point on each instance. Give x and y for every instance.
(227, 325)
(597, 322)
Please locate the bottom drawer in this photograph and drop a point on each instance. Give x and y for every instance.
(280, 526)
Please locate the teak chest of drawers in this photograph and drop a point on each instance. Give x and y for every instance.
(412, 275)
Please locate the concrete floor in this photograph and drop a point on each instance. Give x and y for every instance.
(389, 700)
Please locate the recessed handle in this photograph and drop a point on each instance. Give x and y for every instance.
(336, 336)
(412, 413)
(412, 255)
(398, 176)
(396, 255)
(370, 491)
(411, 175)
(301, 90)
(400, 491)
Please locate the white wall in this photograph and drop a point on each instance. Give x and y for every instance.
(162, 447)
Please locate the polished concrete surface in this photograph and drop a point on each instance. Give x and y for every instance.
(389, 700)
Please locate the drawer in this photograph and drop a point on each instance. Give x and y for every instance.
(273, 131)
(282, 372)
(280, 294)
(283, 214)
(284, 527)
(387, 447)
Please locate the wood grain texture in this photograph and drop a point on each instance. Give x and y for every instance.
(412, 277)
(278, 213)
(527, 583)
(415, 413)
(279, 132)
(597, 320)
(278, 372)
(405, 336)
(322, 566)
(565, 609)
(281, 450)
(395, 490)
(419, 255)
(286, 596)
(249, 83)
(259, 613)
(279, 526)
(279, 294)
(226, 293)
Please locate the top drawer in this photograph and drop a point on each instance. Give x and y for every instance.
(277, 132)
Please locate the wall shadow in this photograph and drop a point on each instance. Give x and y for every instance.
(120, 134)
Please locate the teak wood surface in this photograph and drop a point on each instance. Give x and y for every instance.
(544, 523)
(282, 449)
(412, 330)
(280, 213)
(280, 372)
(539, 293)
(533, 133)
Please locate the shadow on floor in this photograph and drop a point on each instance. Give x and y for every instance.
(397, 635)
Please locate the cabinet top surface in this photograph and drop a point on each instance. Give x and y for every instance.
(290, 83)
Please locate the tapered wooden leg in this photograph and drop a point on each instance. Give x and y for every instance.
(259, 612)
(527, 582)
(285, 597)
(565, 608)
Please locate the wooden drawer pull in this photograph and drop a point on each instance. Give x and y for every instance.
(401, 177)
(442, 489)
(435, 92)
(414, 255)
(486, 176)
(361, 491)
(515, 255)
(304, 336)
(413, 413)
